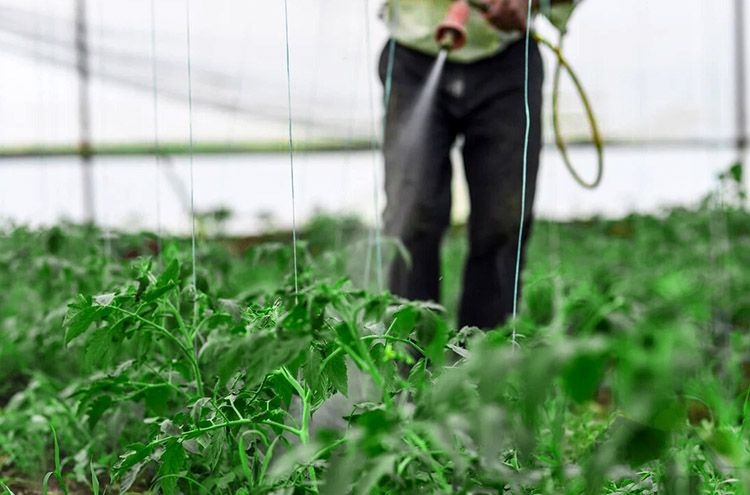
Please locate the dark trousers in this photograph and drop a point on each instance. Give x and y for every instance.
(484, 103)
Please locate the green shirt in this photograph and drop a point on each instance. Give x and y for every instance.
(413, 22)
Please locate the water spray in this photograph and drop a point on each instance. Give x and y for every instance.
(451, 35)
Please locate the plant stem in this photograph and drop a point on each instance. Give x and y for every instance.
(228, 424)
(304, 431)
(190, 339)
(187, 351)
(420, 444)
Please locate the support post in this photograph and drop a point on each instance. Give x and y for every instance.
(740, 68)
(84, 110)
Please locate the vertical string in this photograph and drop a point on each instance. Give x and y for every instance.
(387, 87)
(157, 145)
(389, 79)
(554, 238)
(41, 80)
(720, 211)
(740, 83)
(527, 134)
(291, 143)
(371, 232)
(102, 103)
(83, 71)
(392, 16)
(373, 152)
(190, 152)
(345, 198)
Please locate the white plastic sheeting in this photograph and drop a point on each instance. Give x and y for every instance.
(655, 70)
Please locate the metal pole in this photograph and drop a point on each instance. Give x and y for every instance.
(740, 79)
(84, 111)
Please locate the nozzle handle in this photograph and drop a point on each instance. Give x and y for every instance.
(451, 33)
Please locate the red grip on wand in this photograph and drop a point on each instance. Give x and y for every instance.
(451, 33)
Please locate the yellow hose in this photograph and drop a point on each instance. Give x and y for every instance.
(562, 63)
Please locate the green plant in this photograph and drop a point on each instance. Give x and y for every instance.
(630, 377)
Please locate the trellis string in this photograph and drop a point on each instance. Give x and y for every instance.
(291, 143)
(527, 133)
(157, 144)
(190, 153)
(375, 175)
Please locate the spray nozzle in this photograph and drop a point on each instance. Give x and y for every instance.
(450, 39)
(451, 33)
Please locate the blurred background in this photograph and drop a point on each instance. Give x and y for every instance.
(666, 80)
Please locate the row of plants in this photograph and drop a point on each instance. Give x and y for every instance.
(121, 370)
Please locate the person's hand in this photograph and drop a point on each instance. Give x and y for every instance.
(508, 15)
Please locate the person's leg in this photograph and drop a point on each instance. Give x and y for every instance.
(417, 178)
(493, 159)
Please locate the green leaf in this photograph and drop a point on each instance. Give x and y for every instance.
(127, 480)
(257, 355)
(337, 373)
(283, 390)
(383, 465)
(6, 489)
(94, 480)
(97, 408)
(644, 444)
(377, 423)
(313, 374)
(736, 172)
(170, 275)
(45, 483)
(172, 463)
(157, 292)
(432, 336)
(348, 338)
(58, 464)
(375, 308)
(582, 376)
(141, 272)
(245, 461)
(297, 458)
(674, 285)
(81, 314)
(404, 321)
(156, 399)
(136, 453)
(99, 350)
(672, 418)
(726, 445)
(297, 319)
(375, 420)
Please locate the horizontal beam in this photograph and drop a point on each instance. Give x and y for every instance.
(180, 148)
(272, 147)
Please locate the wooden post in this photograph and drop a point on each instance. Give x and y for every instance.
(740, 79)
(84, 110)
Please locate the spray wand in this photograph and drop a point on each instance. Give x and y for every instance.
(451, 35)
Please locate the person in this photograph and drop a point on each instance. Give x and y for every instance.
(481, 99)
